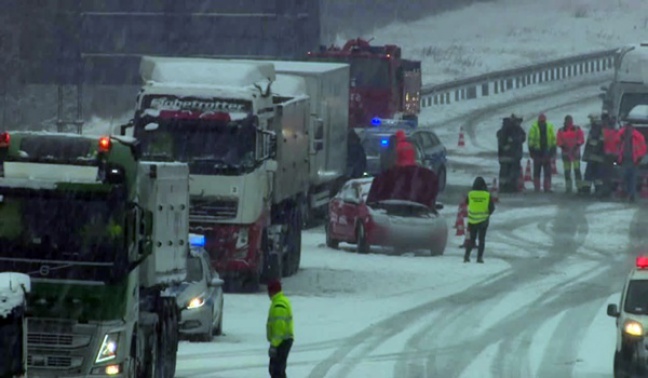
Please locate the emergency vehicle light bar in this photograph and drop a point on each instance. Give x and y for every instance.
(642, 262)
(196, 240)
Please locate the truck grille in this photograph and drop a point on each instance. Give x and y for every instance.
(49, 361)
(50, 339)
(54, 346)
(214, 208)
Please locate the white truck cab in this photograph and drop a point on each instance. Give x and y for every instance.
(631, 353)
(13, 345)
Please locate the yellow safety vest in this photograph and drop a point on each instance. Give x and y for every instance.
(478, 204)
(280, 321)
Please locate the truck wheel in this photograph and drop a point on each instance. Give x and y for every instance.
(151, 359)
(275, 267)
(292, 249)
(168, 338)
(361, 239)
(330, 242)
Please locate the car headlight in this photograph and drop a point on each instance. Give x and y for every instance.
(633, 328)
(108, 349)
(196, 302)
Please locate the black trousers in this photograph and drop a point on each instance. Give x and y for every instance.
(477, 232)
(278, 364)
(509, 176)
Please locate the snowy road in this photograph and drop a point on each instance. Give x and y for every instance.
(535, 309)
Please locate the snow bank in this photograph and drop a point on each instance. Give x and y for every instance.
(508, 33)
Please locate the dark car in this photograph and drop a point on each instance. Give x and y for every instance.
(394, 209)
(378, 146)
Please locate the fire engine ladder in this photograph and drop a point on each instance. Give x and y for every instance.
(62, 124)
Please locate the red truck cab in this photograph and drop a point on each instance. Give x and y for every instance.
(382, 84)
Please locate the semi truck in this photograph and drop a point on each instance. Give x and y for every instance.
(382, 83)
(103, 236)
(327, 86)
(629, 87)
(248, 156)
(13, 338)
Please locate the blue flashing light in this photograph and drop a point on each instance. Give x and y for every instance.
(197, 240)
(384, 142)
(376, 121)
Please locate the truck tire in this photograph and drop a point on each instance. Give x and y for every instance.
(151, 358)
(275, 267)
(167, 338)
(293, 243)
(362, 246)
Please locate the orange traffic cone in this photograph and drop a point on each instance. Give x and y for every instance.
(554, 169)
(644, 188)
(494, 191)
(527, 172)
(462, 141)
(521, 180)
(461, 228)
(463, 208)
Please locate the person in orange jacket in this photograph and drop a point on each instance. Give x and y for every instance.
(631, 149)
(405, 150)
(570, 138)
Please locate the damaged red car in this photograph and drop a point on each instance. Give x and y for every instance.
(396, 209)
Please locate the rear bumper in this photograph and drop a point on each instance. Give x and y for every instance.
(413, 235)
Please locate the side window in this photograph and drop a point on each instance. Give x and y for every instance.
(426, 141)
(435, 139)
(349, 193)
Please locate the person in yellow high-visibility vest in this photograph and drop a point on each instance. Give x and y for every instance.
(279, 330)
(480, 207)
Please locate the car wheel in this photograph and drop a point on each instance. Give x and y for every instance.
(218, 330)
(442, 180)
(330, 242)
(208, 336)
(362, 246)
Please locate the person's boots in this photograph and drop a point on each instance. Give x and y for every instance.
(467, 256)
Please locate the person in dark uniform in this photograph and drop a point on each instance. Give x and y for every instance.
(356, 156)
(510, 138)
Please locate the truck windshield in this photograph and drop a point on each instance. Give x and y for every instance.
(62, 235)
(630, 100)
(636, 301)
(370, 73)
(209, 147)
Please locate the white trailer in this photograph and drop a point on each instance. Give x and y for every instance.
(327, 86)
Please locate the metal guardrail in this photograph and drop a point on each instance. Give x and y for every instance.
(497, 82)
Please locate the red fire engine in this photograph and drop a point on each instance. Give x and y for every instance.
(383, 85)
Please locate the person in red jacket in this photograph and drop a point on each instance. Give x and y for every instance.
(631, 149)
(405, 150)
(570, 138)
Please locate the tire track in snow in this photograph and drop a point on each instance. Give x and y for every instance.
(375, 335)
(561, 357)
(469, 310)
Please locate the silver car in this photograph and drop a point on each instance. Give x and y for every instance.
(201, 298)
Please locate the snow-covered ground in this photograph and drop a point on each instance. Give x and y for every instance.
(504, 34)
(367, 315)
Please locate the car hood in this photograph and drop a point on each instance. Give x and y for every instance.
(186, 291)
(411, 183)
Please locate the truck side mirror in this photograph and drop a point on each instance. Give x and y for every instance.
(123, 128)
(613, 311)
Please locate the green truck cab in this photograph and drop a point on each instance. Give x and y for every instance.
(103, 237)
